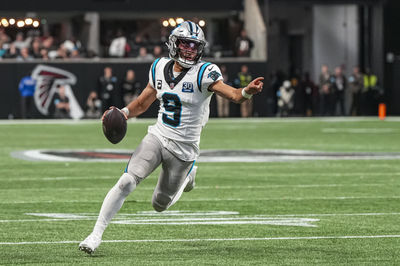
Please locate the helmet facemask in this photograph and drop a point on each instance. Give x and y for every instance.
(184, 47)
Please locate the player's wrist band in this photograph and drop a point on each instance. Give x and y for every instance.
(125, 110)
(245, 94)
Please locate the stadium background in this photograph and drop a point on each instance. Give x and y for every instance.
(293, 191)
(291, 36)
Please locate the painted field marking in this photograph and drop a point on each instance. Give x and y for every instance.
(193, 218)
(213, 187)
(186, 218)
(359, 130)
(214, 156)
(290, 198)
(212, 121)
(57, 178)
(206, 239)
(140, 215)
(209, 199)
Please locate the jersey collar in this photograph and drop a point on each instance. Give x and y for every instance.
(169, 76)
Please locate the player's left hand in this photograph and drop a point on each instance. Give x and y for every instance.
(255, 86)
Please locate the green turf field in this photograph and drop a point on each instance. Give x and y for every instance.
(243, 213)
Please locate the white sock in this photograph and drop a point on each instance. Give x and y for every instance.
(113, 202)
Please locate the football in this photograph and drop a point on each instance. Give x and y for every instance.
(114, 125)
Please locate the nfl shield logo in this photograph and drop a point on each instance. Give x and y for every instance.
(172, 85)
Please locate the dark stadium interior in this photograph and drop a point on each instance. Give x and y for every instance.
(290, 40)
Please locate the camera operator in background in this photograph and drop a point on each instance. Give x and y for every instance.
(107, 90)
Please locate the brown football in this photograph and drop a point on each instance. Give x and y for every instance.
(114, 125)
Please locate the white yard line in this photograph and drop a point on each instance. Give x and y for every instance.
(206, 239)
(313, 174)
(291, 198)
(212, 187)
(159, 217)
(213, 199)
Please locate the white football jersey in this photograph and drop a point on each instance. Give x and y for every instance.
(184, 105)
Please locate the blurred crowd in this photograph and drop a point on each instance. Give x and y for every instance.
(33, 44)
(333, 94)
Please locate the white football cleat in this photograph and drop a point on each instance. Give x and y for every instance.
(192, 175)
(90, 244)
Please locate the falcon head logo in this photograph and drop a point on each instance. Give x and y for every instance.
(47, 78)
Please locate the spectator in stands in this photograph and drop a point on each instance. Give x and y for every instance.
(118, 45)
(27, 89)
(19, 42)
(35, 49)
(24, 55)
(285, 96)
(12, 52)
(4, 42)
(44, 54)
(61, 103)
(223, 103)
(75, 54)
(326, 101)
(135, 46)
(356, 84)
(72, 45)
(338, 81)
(130, 87)
(93, 106)
(4, 38)
(243, 44)
(242, 80)
(48, 43)
(107, 90)
(158, 52)
(60, 53)
(143, 55)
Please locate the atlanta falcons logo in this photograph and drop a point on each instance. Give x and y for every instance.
(47, 78)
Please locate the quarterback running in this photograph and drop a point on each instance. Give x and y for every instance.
(184, 85)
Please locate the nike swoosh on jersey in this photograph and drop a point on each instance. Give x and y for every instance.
(210, 68)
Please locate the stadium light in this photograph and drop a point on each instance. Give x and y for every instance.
(165, 23)
(35, 23)
(179, 20)
(28, 21)
(20, 23)
(172, 22)
(4, 22)
(11, 21)
(202, 23)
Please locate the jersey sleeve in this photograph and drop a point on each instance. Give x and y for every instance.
(208, 74)
(152, 73)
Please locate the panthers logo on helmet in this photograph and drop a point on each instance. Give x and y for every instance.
(186, 31)
(214, 75)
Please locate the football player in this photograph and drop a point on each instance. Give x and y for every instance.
(184, 85)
